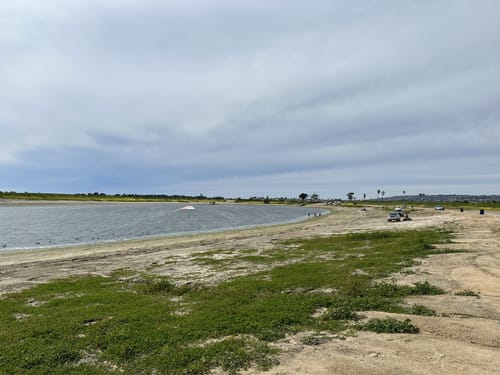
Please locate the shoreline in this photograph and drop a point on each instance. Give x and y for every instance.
(465, 324)
(50, 263)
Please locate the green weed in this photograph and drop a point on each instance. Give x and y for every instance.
(421, 310)
(341, 313)
(423, 289)
(467, 293)
(389, 325)
(214, 262)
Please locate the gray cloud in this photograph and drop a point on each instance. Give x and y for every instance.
(243, 98)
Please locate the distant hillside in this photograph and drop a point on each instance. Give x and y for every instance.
(446, 198)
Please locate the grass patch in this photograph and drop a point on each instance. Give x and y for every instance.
(389, 325)
(341, 313)
(467, 293)
(141, 324)
(213, 262)
(425, 289)
(421, 310)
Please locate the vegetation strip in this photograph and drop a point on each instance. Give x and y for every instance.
(142, 324)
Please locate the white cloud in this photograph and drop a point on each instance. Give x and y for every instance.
(247, 90)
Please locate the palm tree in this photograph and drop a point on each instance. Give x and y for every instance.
(378, 193)
(383, 193)
(364, 196)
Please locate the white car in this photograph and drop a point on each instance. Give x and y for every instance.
(439, 208)
(394, 216)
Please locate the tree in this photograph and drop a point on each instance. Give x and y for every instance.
(303, 196)
(314, 197)
(350, 196)
(378, 193)
(383, 193)
(364, 196)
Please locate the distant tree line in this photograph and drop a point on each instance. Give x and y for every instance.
(103, 196)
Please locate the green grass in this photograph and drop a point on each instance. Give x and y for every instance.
(421, 310)
(389, 325)
(138, 324)
(467, 293)
(209, 261)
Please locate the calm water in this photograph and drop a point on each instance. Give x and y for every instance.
(24, 227)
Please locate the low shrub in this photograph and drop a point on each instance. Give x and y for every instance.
(421, 310)
(467, 293)
(426, 289)
(389, 325)
(340, 313)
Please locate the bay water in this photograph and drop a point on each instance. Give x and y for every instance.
(40, 226)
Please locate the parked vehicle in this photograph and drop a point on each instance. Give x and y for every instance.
(400, 211)
(394, 216)
(439, 208)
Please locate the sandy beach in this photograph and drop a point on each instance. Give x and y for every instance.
(465, 341)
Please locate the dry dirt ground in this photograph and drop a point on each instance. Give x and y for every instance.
(465, 340)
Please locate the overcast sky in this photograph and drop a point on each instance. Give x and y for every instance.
(249, 97)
